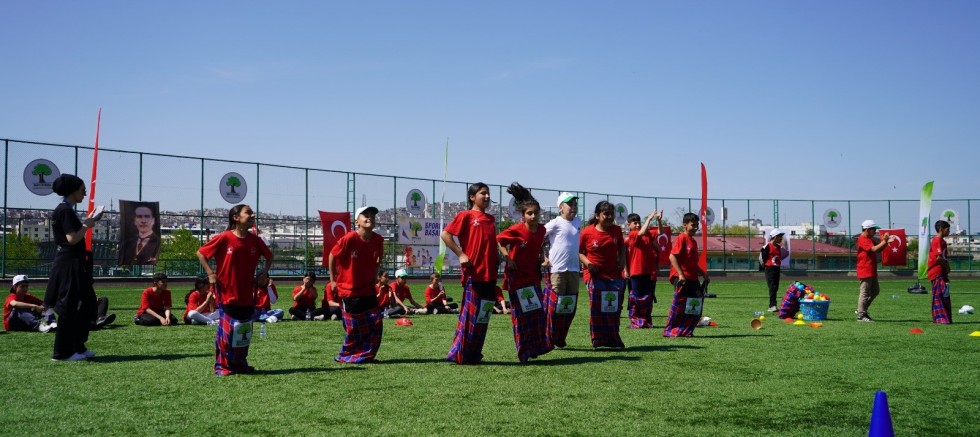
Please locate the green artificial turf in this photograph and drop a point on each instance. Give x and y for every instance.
(727, 380)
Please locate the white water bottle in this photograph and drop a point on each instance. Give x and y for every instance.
(309, 316)
(262, 331)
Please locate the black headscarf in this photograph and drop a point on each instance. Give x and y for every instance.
(67, 184)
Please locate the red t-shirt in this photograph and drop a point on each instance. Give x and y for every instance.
(642, 254)
(7, 308)
(431, 293)
(303, 297)
(262, 301)
(500, 293)
(384, 295)
(602, 250)
(356, 262)
(154, 301)
(525, 250)
(476, 231)
(937, 251)
(194, 300)
(401, 291)
(235, 261)
(329, 295)
(685, 249)
(775, 255)
(867, 260)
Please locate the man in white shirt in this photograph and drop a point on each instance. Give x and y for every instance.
(562, 233)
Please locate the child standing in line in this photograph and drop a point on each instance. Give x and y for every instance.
(603, 253)
(685, 311)
(561, 294)
(521, 248)
(266, 295)
(772, 257)
(354, 262)
(436, 301)
(942, 308)
(22, 311)
(236, 254)
(867, 267)
(304, 298)
(477, 252)
(155, 304)
(200, 308)
(644, 257)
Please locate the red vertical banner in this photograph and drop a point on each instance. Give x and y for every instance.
(662, 241)
(896, 252)
(335, 225)
(703, 261)
(95, 172)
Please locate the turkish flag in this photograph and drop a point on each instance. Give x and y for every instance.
(662, 242)
(335, 225)
(895, 253)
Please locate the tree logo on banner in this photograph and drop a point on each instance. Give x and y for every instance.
(233, 188)
(951, 216)
(621, 212)
(38, 176)
(832, 218)
(709, 216)
(415, 202)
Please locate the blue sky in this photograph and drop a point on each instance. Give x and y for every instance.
(790, 100)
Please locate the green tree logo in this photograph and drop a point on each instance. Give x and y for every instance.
(610, 298)
(486, 310)
(565, 302)
(416, 197)
(233, 182)
(950, 215)
(621, 209)
(415, 227)
(527, 294)
(41, 170)
(832, 215)
(925, 222)
(245, 330)
(695, 304)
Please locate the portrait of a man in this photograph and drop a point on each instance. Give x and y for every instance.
(140, 232)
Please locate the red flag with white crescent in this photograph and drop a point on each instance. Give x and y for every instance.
(662, 241)
(335, 225)
(95, 171)
(896, 252)
(703, 261)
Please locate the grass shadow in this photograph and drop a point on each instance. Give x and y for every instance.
(661, 348)
(412, 361)
(734, 335)
(304, 370)
(157, 357)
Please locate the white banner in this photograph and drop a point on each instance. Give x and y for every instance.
(418, 231)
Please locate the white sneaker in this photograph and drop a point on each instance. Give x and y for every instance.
(333, 317)
(435, 311)
(46, 327)
(74, 357)
(271, 319)
(773, 309)
(318, 318)
(89, 353)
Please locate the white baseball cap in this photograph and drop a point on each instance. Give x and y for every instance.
(566, 197)
(868, 224)
(401, 273)
(18, 279)
(365, 209)
(773, 233)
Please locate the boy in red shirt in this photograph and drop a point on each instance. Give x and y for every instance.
(643, 257)
(401, 293)
(22, 311)
(353, 265)
(938, 272)
(771, 264)
(330, 305)
(436, 301)
(685, 310)
(155, 304)
(304, 298)
(867, 267)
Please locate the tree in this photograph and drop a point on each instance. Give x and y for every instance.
(178, 254)
(233, 182)
(527, 295)
(620, 209)
(950, 215)
(610, 298)
(21, 252)
(415, 226)
(416, 197)
(832, 215)
(41, 170)
(565, 302)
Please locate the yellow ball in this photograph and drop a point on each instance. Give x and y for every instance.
(799, 316)
(762, 318)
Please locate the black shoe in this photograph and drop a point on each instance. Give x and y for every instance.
(105, 321)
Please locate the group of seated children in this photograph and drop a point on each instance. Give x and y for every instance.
(22, 311)
(155, 304)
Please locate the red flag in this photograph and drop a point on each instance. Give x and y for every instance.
(663, 244)
(91, 191)
(335, 225)
(896, 252)
(703, 262)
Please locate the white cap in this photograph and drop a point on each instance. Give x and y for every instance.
(18, 279)
(401, 273)
(566, 197)
(868, 224)
(773, 233)
(365, 209)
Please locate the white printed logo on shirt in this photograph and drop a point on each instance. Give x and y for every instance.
(529, 299)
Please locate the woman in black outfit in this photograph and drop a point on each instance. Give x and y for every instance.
(70, 290)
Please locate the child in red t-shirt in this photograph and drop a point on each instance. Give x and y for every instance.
(867, 267)
(602, 251)
(643, 256)
(685, 309)
(330, 305)
(266, 295)
(155, 304)
(436, 301)
(401, 294)
(354, 262)
(236, 254)
(477, 252)
(304, 298)
(938, 272)
(22, 311)
(521, 247)
(200, 309)
(771, 264)
(501, 306)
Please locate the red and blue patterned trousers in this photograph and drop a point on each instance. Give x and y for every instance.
(530, 328)
(942, 308)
